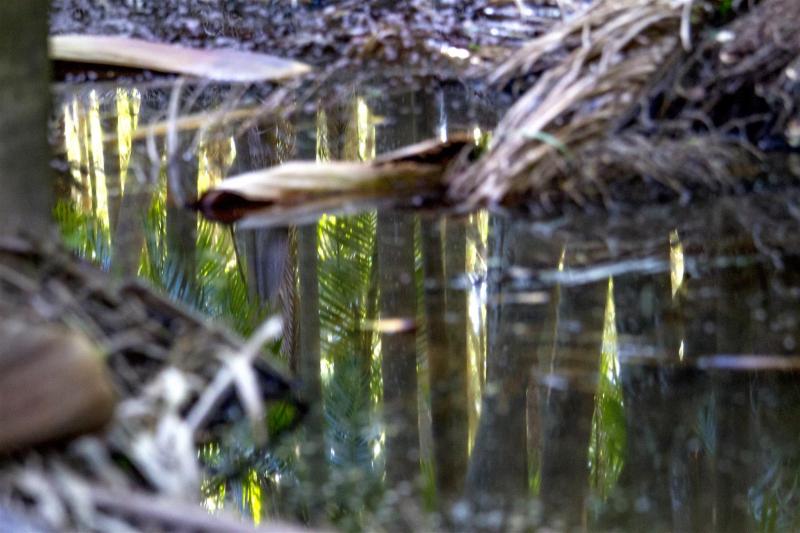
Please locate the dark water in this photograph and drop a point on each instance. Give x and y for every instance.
(632, 370)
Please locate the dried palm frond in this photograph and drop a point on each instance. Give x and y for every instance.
(595, 66)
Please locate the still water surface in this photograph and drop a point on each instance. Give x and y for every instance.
(632, 370)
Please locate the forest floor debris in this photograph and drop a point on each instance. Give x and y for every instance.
(175, 374)
(412, 35)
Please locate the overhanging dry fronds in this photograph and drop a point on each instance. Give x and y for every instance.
(595, 66)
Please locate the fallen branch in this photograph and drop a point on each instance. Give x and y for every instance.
(300, 187)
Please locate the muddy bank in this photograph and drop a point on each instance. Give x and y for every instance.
(414, 35)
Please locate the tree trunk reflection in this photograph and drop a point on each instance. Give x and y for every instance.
(313, 448)
(395, 241)
(498, 471)
(567, 399)
(27, 199)
(447, 372)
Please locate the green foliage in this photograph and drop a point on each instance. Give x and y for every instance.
(551, 140)
(84, 233)
(725, 7)
(215, 284)
(348, 407)
(281, 417)
(348, 302)
(211, 280)
(256, 479)
(774, 497)
(222, 288)
(428, 493)
(607, 445)
(423, 381)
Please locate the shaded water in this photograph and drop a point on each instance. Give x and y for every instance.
(634, 370)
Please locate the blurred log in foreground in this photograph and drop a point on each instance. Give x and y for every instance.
(53, 385)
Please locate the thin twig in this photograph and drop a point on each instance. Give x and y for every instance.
(213, 395)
